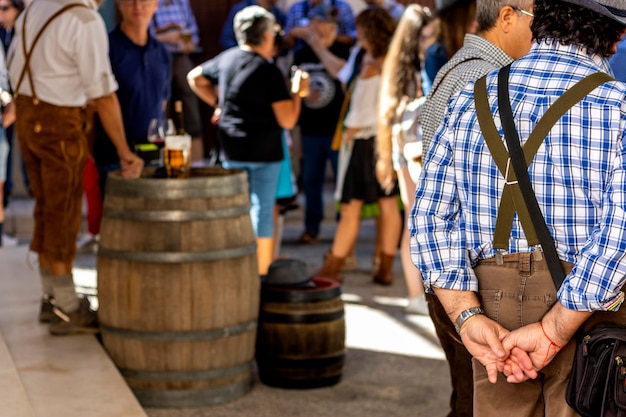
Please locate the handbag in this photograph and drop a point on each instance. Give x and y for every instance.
(597, 383)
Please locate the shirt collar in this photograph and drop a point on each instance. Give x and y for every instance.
(93, 4)
(583, 54)
(484, 45)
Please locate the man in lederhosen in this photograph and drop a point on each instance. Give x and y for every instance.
(58, 62)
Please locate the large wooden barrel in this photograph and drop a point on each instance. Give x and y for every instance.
(178, 286)
(301, 335)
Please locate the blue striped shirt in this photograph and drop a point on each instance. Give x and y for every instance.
(300, 10)
(578, 174)
(178, 12)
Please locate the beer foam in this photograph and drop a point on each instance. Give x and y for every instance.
(178, 142)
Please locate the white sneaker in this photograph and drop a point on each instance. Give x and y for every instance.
(9, 241)
(417, 305)
(88, 244)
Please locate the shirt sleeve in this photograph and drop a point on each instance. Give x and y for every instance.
(436, 224)
(596, 280)
(211, 70)
(293, 15)
(92, 48)
(346, 17)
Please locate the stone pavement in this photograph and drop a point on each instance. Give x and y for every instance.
(394, 366)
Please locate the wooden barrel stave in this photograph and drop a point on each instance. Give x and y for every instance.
(301, 344)
(178, 287)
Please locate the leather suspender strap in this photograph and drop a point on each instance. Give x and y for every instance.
(511, 200)
(28, 54)
(520, 158)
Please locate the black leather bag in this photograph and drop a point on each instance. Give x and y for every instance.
(597, 384)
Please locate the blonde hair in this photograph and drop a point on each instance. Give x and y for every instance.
(399, 79)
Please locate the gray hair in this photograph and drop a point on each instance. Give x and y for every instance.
(251, 23)
(487, 11)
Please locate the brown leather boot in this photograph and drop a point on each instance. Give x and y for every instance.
(384, 275)
(331, 268)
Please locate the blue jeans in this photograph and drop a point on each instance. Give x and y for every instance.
(8, 185)
(316, 152)
(262, 183)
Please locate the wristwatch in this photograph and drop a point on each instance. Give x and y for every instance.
(466, 314)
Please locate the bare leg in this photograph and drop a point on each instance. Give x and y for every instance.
(391, 224)
(347, 229)
(411, 273)
(264, 253)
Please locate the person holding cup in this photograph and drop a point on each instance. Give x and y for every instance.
(254, 106)
(174, 24)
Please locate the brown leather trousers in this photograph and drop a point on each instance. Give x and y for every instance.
(54, 147)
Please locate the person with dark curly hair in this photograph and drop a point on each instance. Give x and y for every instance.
(356, 183)
(497, 287)
(503, 35)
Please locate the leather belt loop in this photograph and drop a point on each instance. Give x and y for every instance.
(525, 264)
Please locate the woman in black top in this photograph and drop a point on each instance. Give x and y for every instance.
(253, 106)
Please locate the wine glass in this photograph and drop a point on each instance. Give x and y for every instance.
(158, 128)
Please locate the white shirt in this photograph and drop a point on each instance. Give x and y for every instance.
(70, 63)
(363, 111)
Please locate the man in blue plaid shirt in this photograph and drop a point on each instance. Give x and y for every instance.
(508, 314)
(298, 16)
(175, 25)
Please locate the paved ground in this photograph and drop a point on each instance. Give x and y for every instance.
(394, 366)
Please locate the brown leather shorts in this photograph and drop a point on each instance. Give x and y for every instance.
(54, 147)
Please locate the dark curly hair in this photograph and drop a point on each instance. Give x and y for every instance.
(570, 24)
(378, 27)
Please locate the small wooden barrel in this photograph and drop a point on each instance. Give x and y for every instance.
(178, 286)
(301, 335)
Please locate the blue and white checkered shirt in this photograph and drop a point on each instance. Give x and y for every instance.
(177, 12)
(578, 174)
(300, 10)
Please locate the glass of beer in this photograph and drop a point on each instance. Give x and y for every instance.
(177, 156)
(299, 81)
(185, 36)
